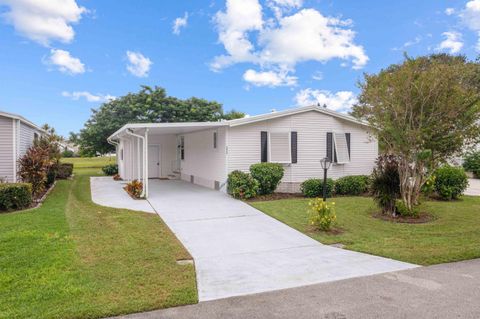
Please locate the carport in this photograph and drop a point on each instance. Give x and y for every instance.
(157, 151)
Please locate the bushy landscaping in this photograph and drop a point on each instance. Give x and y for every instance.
(71, 258)
(268, 176)
(15, 196)
(471, 163)
(242, 185)
(314, 187)
(450, 182)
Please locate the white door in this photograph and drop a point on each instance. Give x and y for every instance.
(153, 161)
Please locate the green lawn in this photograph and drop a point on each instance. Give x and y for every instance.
(454, 235)
(73, 259)
(89, 162)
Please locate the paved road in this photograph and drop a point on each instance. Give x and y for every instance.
(238, 250)
(442, 291)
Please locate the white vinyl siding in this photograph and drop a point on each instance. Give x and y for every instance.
(27, 136)
(6, 149)
(279, 147)
(341, 148)
(311, 127)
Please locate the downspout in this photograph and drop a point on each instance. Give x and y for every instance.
(145, 181)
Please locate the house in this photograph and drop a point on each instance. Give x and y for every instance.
(17, 134)
(205, 153)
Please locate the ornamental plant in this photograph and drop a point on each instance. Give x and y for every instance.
(134, 188)
(385, 185)
(33, 168)
(450, 182)
(242, 185)
(268, 176)
(322, 214)
(471, 163)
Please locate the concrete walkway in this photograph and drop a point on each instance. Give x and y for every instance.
(238, 250)
(473, 187)
(107, 192)
(441, 291)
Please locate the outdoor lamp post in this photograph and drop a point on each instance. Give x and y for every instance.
(325, 163)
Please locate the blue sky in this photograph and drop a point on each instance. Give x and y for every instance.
(60, 58)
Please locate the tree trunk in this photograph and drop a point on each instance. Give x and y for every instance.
(412, 177)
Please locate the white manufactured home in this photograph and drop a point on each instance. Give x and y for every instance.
(17, 134)
(204, 153)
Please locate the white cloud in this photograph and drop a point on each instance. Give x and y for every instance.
(449, 11)
(283, 42)
(180, 23)
(65, 62)
(317, 76)
(76, 95)
(139, 65)
(453, 42)
(280, 7)
(341, 101)
(269, 78)
(470, 16)
(44, 21)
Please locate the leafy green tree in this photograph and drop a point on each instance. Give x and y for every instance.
(150, 105)
(424, 110)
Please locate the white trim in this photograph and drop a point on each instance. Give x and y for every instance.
(146, 184)
(335, 148)
(14, 141)
(22, 119)
(159, 166)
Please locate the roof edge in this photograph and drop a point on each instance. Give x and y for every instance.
(22, 119)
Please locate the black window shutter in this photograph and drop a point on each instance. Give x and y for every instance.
(264, 146)
(347, 137)
(330, 146)
(293, 140)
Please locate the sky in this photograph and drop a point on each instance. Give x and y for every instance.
(61, 58)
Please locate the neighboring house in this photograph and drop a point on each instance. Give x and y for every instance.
(16, 136)
(205, 153)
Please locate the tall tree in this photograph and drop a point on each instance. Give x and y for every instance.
(148, 105)
(424, 110)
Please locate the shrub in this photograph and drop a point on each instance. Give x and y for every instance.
(322, 214)
(14, 196)
(135, 188)
(472, 163)
(402, 210)
(110, 169)
(68, 153)
(52, 172)
(117, 177)
(429, 186)
(268, 176)
(33, 168)
(65, 170)
(385, 183)
(352, 185)
(450, 182)
(242, 185)
(314, 187)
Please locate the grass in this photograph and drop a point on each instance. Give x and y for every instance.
(89, 162)
(73, 259)
(454, 235)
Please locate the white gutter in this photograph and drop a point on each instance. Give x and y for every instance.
(145, 180)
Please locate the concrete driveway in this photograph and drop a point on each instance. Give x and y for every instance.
(473, 187)
(238, 250)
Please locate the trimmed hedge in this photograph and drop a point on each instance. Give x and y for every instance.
(15, 196)
(268, 176)
(65, 170)
(314, 187)
(450, 182)
(110, 169)
(242, 185)
(352, 185)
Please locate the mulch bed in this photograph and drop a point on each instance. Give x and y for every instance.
(333, 231)
(422, 218)
(275, 196)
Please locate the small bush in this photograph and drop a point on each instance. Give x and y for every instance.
(314, 187)
(352, 185)
(268, 176)
(402, 210)
(429, 186)
(65, 170)
(385, 185)
(68, 154)
(242, 185)
(110, 169)
(472, 163)
(135, 188)
(15, 196)
(117, 177)
(450, 182)
(322, 214)
(52, 172)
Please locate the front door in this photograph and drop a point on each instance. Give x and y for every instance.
(154, 161)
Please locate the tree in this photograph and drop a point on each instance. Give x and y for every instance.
(424, 111)
(150, 105)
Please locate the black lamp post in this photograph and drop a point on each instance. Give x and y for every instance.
(325, 163)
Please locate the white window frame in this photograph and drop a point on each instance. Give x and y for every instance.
(289, 147)
(335, 148)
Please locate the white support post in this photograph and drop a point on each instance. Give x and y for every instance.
(138, 159)
(146, 164)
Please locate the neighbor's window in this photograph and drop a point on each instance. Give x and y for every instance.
(182, 147)
(35, 137)
(341, 148)
(280, 147)
(215, 139)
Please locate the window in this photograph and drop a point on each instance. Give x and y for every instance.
(215, 139)
(182, 148)
(341, 148)
(280, 151)
(121, 154)
(35, 137)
